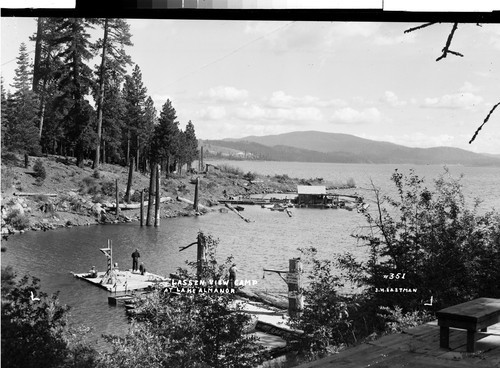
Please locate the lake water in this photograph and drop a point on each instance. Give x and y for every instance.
(267, 242)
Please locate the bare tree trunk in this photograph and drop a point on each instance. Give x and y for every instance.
(101, 96)
(152, 175)
(128, 148)
(42, 115)
(117, 201)
(157, 201)
(38, 55)
(103, 152)
(137, 156)
(129, 182)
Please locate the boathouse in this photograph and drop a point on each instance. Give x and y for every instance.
(312, 196)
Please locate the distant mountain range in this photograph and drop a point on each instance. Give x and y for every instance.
(313, 146)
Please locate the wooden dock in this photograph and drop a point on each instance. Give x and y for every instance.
(125, 281)
(419, 347)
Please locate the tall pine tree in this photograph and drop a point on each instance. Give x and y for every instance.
(191, 144)
(113, 61)
(21, 131)
(134, 95)
(75, 79)
(165, 142)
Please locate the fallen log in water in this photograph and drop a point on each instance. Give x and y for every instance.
(185, 200)
(237, 212)
(133, 206)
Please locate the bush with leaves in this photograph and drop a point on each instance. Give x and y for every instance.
(39, 170)
(397, 320)
(332, 318)
(250, 176)
(445, 249)
(17, 220)
(435, 243)
(34, 328)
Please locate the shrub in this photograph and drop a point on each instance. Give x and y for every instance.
(282, 178)
(136, 196)
(89, 185)
(331, 318)
(444, 248)
(250, 176)
(397, 320)
(96, 174)
(351, 183)
(39, 327)
(39, 170)
(231, 170)
(8, 177)
(108, 188)
(17, 220)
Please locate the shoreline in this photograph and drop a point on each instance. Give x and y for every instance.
(78, 196)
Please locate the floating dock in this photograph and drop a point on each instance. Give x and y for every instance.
(123, 282)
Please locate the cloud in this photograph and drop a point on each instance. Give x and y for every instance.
(493, 34)
(392, 99)
(281, 99)
(213, 113)
(352, 29)
(348, 115)
(255, 112)
(225, 94)
(387, 40)
(469, 87)
(307, 36)
(465, 100)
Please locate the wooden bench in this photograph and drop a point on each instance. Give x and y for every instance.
(475, 315)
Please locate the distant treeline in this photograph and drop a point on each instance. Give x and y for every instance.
(62, 105)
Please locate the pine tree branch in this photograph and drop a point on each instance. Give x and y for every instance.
(484, 122)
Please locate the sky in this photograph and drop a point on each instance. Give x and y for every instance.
(238, 78)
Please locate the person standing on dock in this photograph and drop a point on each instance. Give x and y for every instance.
(135, 260)
(232, 275)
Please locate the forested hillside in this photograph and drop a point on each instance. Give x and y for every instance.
(313, 146)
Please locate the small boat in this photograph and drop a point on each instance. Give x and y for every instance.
(239, 208)
(267, 206)
(278, 207)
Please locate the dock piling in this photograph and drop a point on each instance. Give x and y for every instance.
(157, 201)
(196, 194)
(142, 208)
(116, 198)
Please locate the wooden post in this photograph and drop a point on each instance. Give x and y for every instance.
(152, 176)
(117, 203)
(142, 207)
(201, 157)
(201, 256)
(157, 201)
(196, 198)
(295, 298)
